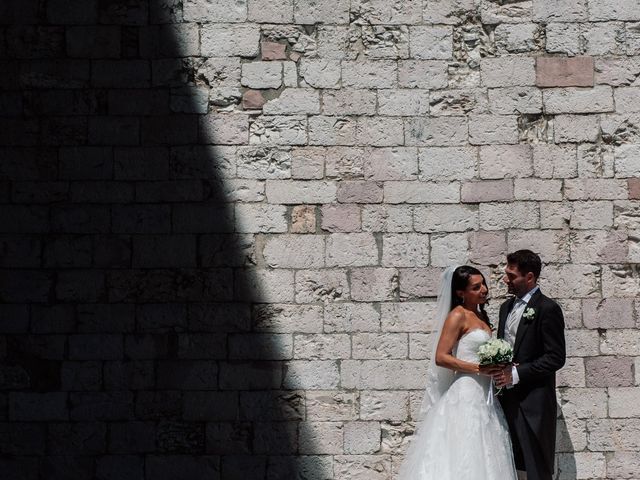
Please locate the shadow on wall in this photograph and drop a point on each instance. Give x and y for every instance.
(565, 458)
(127, 312)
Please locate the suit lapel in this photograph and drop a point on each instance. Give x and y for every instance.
(524, 324)
(504, 312)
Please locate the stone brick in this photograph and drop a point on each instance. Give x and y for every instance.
(382, 374)
(563, 10)
(624, 403)
(359, 192)
(374, 284)
(431, 42)
(322, 346)
(325, 11)
(436, 131)
(324, 130)
(378, 346)
(623, 464)
(321, 438)
(294, 101)
(563, 38)
(592, 214)
(341, 218)
(564, 72)
(573, 281)
(627, 99)
(408, 316)
(419, 192)
(387, 218)
(30, 407)
(578, 100)
(626, 161)
(581, 465)
(584, 403)
(491, 129)
(379, 131)
(351, 250)
(361, 437)
(604, 10)
(633, 185)
(374, 467)
(430, 74)
(260, 218)
(448, 163)
(294, 251)
(228, 40)
(321, 286)
(272, 50)
(252, 100)
(595, 189)
(620, 342)
(445, 218)
(351, 317)
(576, 128)
(534, 189)
(331, 405)
(405, 250)
(251, 346)
(282, 318)
(311, 375)
(384, 405)
(515, 100)
(308, 163)
(345, 163)
(572, 374)
(551, 245)
(369, 74)
(507, 71)
(348, 101)
(449, 249)
(323, 73)
(291, 192)
(499, 216)
(398, 163)
(265, 285)
(614, 72)
(487, 191)
(603, 246)
(609, 371)
(613, 434)
(486, 248)
(404, 102)
(303, 219)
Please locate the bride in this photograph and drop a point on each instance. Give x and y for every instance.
(462, 432)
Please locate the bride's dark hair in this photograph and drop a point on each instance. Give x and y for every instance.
(459, 281)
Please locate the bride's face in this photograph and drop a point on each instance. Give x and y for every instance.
(476, 291)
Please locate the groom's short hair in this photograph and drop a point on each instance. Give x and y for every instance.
(526, 261)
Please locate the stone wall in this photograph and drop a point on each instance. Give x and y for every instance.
(223, 224)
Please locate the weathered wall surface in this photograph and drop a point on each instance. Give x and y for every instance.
(223, 224)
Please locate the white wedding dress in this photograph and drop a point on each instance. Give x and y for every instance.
(464, 435)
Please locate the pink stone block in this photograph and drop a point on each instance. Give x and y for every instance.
(608, 313)
(488, 248)
(633, 184)
(609, 371)
(341, 218)
(487, 191)
(419, 282)
(273, 51)
(252, 100)
(359, 192)
(564, 71)
(303, 219)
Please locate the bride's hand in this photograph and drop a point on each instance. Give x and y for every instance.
(490, 370)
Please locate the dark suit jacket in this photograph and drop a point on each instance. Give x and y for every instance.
(539, 350)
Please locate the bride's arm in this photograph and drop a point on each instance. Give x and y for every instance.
(452, 330)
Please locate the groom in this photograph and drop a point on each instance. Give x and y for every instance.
(533, 324)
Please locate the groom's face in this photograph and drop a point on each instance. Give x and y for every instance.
(517, 283)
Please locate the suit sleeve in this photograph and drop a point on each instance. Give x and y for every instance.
(553, 347)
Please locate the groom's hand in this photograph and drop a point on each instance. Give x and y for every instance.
(504, 377)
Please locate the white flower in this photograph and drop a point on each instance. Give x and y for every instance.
(529, 313)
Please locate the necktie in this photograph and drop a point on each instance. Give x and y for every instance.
(510, 331)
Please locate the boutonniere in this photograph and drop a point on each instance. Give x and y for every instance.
(528, 314)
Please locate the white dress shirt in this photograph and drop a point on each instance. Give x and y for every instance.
(512, 323)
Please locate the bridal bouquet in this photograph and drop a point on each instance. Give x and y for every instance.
(495, 351)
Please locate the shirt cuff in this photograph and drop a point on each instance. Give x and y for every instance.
(514, 374)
